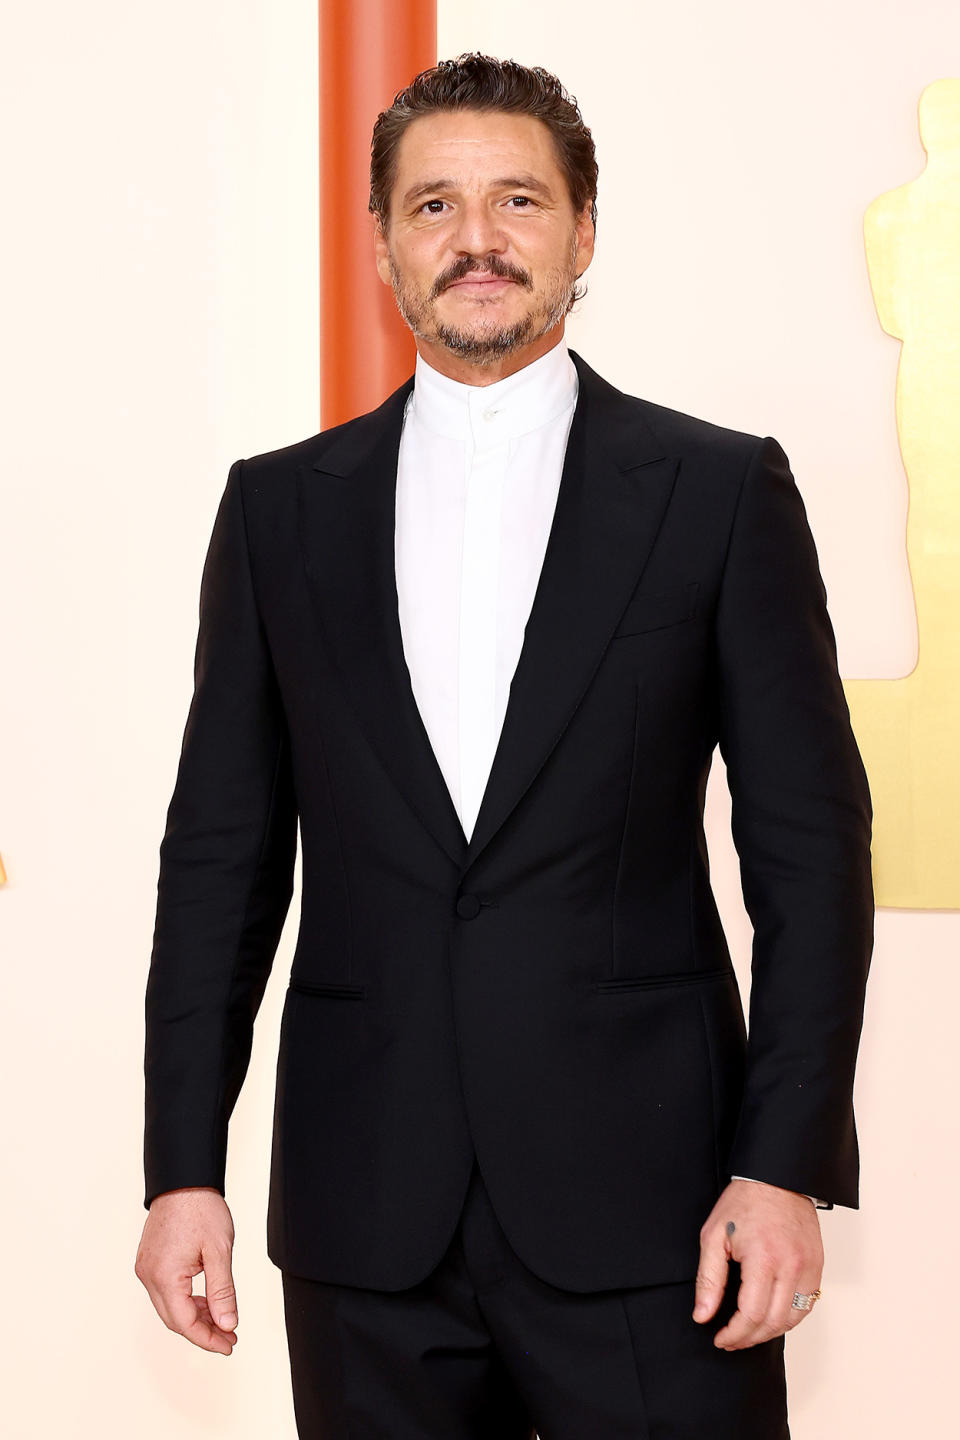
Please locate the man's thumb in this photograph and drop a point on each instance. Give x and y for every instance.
(711, 1278)
(218, 1283)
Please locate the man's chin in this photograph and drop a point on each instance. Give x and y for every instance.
(478, 314)
(483, 344)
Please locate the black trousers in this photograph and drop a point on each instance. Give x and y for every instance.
(485, 1350)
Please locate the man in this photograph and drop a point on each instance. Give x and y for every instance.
(527, 1172)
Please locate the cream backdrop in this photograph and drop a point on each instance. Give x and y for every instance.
(160, 320)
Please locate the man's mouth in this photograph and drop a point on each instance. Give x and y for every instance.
(480, 279)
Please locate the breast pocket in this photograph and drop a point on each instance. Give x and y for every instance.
(655, 609)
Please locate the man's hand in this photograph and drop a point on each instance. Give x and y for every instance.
(774, 1235)
(188, 1231)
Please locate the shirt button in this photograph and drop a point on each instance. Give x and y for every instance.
(468, 907)
(489, 414)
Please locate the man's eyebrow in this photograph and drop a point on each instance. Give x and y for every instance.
(508, 182)
(427, 188)
(523, 182)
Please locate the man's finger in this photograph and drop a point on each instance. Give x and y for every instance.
(224, 1339)
(187, 1314)
(202, 1332)
(218, 1287)
(711, 1274)
(785, 1316)
(190, 1317)
(171, 1298)
(748, 1324)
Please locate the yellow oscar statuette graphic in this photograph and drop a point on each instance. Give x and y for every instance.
(908, 729)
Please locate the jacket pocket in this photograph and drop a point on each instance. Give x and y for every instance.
(656, 982)
(653, 610)
(331, 989)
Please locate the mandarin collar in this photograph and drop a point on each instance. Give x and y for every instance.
(492, 414)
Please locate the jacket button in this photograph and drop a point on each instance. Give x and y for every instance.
(468, 907)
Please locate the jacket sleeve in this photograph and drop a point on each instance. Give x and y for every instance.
(226, 875)
(801, 821)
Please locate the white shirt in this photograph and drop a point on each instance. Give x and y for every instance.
(477, 481)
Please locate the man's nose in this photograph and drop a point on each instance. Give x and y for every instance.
(478, 231)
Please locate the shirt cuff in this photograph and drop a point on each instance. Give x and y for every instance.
(820, 1204)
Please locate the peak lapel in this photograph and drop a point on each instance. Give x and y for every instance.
(347, 525)
(613, 495)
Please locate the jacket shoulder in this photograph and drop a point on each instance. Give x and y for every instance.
(336, 449)
(682, 432)
(676, 432)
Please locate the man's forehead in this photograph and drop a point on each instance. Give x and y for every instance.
(461, 142)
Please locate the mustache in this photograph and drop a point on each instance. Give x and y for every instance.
(491, 265)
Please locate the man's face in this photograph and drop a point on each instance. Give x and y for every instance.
(482, 245)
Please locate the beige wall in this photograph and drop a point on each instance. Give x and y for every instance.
(162, 322)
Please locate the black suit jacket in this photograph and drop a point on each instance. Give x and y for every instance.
(557, 994)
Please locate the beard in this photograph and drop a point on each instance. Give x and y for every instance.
(486, 340)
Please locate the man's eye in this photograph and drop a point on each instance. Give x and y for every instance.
(429, 204)
(519, 201)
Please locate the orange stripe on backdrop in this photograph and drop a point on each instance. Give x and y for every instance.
(369, 49)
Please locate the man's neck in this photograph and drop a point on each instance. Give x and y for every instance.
(469, 372)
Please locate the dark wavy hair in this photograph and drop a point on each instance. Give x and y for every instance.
(479, 82)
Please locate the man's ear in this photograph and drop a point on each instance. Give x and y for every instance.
(586, 238)
(381, 250)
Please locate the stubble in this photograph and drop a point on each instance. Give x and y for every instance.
(484, 342)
